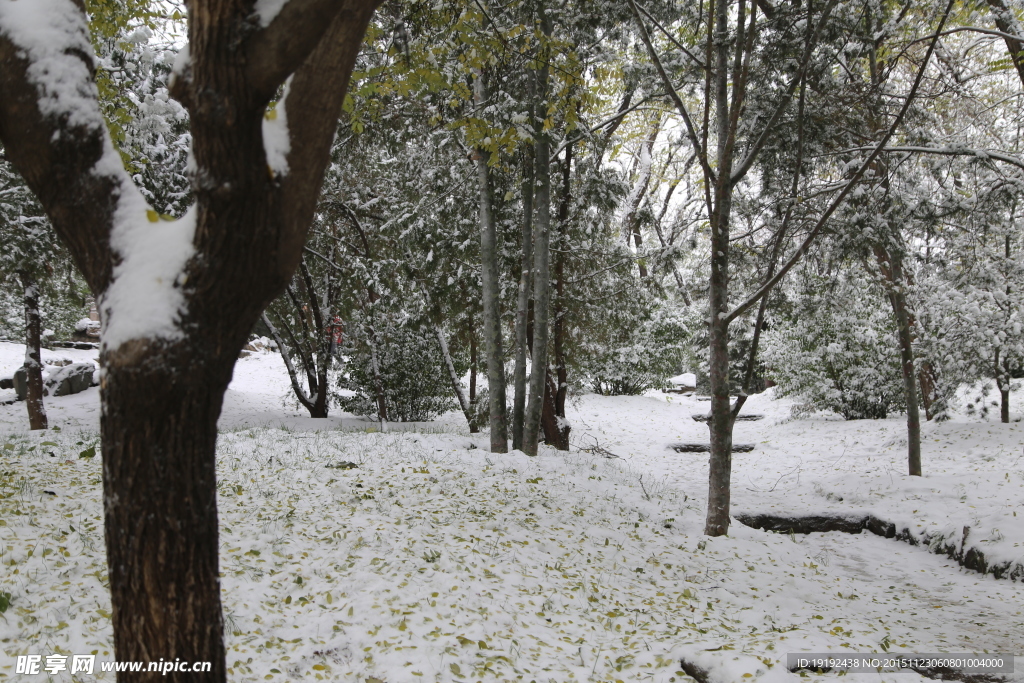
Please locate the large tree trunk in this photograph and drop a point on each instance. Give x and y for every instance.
(33, 355)
(489, 275)
(541, 267)
(159, 430)
(523, 306)
(173, 326)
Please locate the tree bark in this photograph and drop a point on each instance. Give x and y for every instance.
(1002, 374)
(489, 275)
(159, 429)
(556, 426)
(33, 355)
(523, 305)
(541, 264)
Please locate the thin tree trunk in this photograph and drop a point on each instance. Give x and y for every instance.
(305, 399)
(489, 275)
(320, 343)
(541, 266)
(473, 360)
(523, 306)
(33, 355)
(558, 383)
(159, 429)
(378, 379)
(892, 268)
(927, 381)
(464, 404)
(721, 422)
(1002, 376)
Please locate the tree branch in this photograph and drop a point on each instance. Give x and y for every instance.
(277, 50)
(691, 132)
(57, 138)
(315, 95)
(879, 148)
(759, 143)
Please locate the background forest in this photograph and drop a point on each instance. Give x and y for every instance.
(839, 184)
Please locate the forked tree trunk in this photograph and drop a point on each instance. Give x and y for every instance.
(159, 430)
(33, 354)
(541, 266)
(489, 276)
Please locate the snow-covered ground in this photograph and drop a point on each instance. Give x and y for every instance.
(435, 560)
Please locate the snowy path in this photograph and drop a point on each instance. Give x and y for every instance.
(941, 607)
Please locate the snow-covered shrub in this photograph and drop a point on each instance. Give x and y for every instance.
(641, 357)
(838, 349)
(416, 386)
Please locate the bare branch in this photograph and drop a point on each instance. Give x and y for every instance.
(691, 132)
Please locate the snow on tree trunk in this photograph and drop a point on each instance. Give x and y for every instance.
(33, 356)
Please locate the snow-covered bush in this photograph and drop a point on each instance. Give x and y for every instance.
(412, 372)
(641, 357)
(838, 349)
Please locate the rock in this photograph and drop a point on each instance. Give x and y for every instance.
(343, 465)
(6, 382)
(703, 417)
(20, 381)
(72, 379)
(706, 447)
(244, 354)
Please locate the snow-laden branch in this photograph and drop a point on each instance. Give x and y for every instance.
(957, 151)
(52, 126)
(854, 180)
